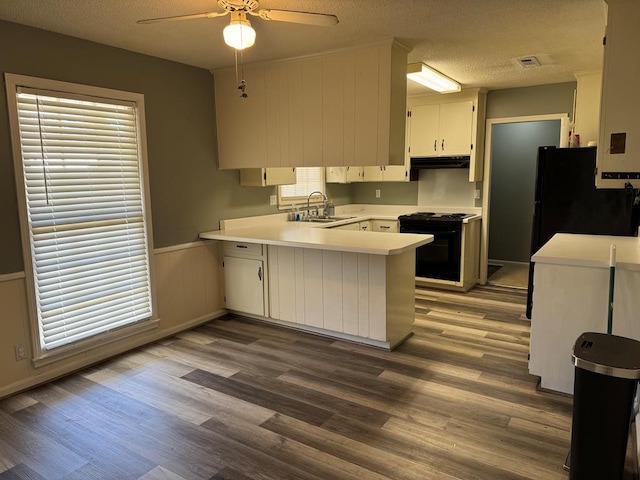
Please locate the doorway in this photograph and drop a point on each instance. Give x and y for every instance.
(509, 179)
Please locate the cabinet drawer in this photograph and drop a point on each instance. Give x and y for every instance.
(390, 226)
(242, 249)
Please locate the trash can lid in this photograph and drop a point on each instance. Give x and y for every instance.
(608, 355)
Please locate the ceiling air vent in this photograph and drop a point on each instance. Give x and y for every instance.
(528, 62)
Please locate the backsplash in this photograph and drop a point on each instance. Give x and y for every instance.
(446, 187)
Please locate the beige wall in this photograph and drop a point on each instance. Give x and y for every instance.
(538, 100)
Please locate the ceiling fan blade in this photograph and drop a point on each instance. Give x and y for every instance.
(318, 19)
(183, 17)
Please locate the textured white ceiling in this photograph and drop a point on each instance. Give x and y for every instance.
(472, 41)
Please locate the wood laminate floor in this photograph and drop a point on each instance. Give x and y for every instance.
(238, 399)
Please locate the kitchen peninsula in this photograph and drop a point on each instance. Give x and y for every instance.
(353, 285)
(571, 295)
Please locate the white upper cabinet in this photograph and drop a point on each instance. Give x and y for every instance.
(346, 108)
(386, 173)
(619, 140)
(264, 177)
(344, 174)
(442, 130)
(424, 130)
(242, 132)
(448, 125)
(456, 128)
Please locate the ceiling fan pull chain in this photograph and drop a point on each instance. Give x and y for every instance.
(242, 84)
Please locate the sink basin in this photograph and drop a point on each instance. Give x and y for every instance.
(326, 220)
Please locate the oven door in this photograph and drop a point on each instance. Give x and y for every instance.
(441, 258)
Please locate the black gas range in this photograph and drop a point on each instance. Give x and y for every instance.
(442, 258)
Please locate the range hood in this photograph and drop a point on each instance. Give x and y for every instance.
(418, 163)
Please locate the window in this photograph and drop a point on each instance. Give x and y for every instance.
(80, 170)
(308, 180)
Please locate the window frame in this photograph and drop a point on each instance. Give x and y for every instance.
(297, 201)
(13, 82)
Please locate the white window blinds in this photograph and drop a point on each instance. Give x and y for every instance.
(308, 179)
(86, 214)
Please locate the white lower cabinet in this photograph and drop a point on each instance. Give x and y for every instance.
(244, 283)
(350, 294)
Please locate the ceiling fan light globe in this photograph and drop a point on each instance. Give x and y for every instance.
(239, 34)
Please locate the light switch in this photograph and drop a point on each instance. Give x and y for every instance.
(377, 193)
(273, 200)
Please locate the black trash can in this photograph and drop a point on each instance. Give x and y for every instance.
(606, 374)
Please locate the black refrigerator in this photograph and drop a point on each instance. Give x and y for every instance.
(567, 201)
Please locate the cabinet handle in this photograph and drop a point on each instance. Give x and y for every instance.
(443, 144)
(260, 273)
(384, 227)
(435, 145)
(241, 246)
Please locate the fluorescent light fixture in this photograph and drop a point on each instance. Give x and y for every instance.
(239, 34)
(430, 78)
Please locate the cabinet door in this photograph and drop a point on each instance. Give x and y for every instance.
(276, 116)
(312, 112)
(343, 174)
(244, 285)
(335, 175)
(235, 115)
(619, 140)
(394, 173)
(456, 123)
(280, 176)
(294, 100)
(333, 109)
(372, 174)
(263, 177)
(366, 106)
(423, 130)
(355, 174)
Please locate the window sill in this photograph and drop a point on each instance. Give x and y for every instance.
(61, 353)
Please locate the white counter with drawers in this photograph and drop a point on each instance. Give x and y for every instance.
(353, 285)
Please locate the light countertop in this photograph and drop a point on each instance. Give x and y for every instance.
(590, 251)
(305, 235)
(275, 230)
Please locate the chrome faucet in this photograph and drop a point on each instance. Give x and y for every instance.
(324, 202)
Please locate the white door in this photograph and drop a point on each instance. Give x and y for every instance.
(244, 285)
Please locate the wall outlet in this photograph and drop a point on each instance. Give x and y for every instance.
(21, 352)
(273, 200)
(377, 193)
(476, 194)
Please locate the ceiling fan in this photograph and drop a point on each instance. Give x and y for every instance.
(239, 34)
